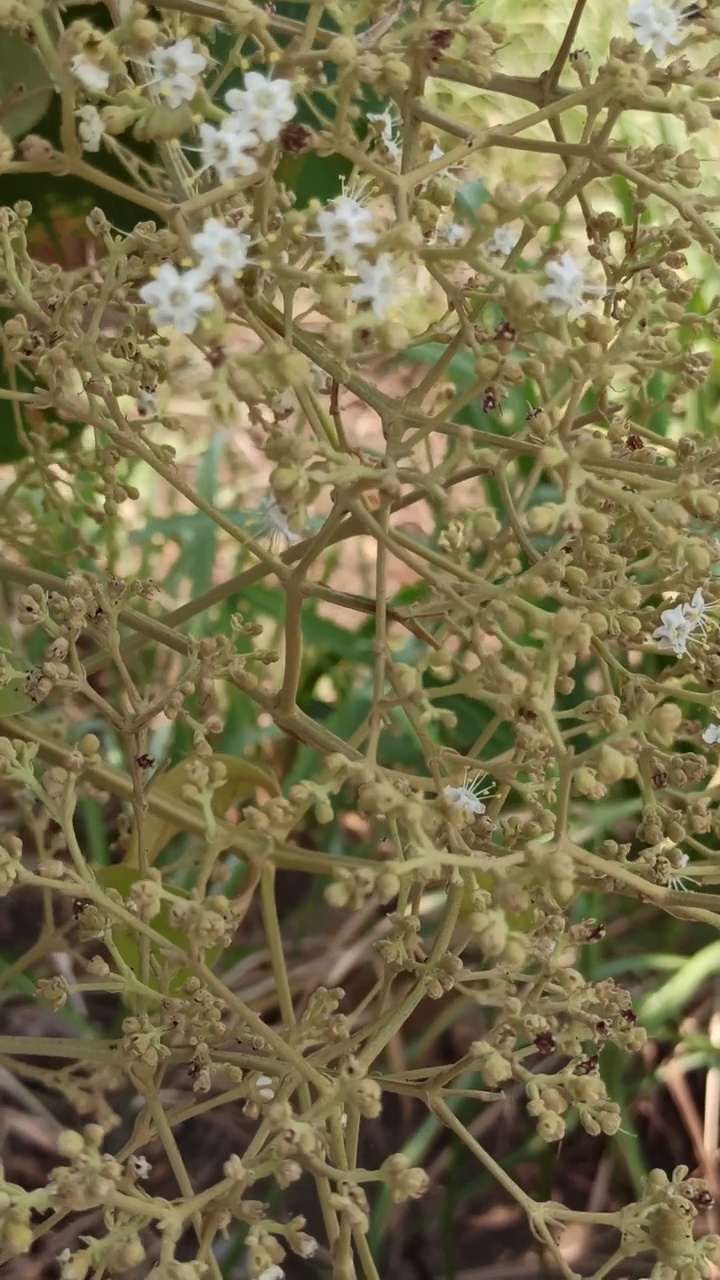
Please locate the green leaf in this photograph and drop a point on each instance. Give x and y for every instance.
(470, 198)
(242, 777)
(13, 699)
(669, 1000)
(23, 79)
(170, 978)
(61, 203)
(199, 552)
(461, 371)
(313, 177)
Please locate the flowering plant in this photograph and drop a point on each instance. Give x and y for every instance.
(557, 644)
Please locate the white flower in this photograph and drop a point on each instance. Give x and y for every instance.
(388, 135)
(146, 401)
(568, 286)
(177, 298)
(273, 1272)
(697, 608)
(467, 797)
(140, 1166)
(263, 106)
(273, 524)
(674, 631)
(264, 1088)
(679, 623)
(437, 153)
(90, 128)
(453, 233)
(226, 152)
(178, 59)
(91, 75)
(320, 380)
(222, 251)
(378, 284)
(656, 25)
(345, 227)
(176, 68)
(711, 735)
(680, 883)
(503, 241)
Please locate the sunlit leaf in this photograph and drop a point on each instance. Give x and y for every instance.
(242, 779)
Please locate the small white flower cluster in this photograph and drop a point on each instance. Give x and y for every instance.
(346, 228)
(177, 68)
(568, 286)
(180, 298)
(389, 139)
(656, 25)
(257, 114)
(377, 284)
(503, 241)
(90, 127)
(679, 624)
(176, 71)
(389, 134)
(265, 1088)
(93, 76)
(453, 233)
(258, 111)
(221, 250)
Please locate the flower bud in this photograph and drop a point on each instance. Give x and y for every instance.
(116, 119)
(542, 214)
(611, 766)
(550, 1127)
(665, 721)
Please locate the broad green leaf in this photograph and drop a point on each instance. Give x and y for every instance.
(122, 878)
(14, 700)
(61, 203)
(242, 779)
(313, 177)
(25, 86)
